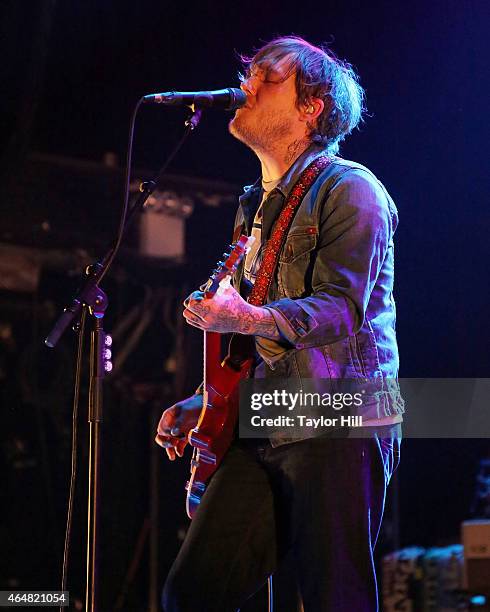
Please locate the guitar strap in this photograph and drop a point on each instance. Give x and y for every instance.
(243, 347)
(273, 246)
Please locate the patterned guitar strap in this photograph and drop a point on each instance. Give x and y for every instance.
(273, 246)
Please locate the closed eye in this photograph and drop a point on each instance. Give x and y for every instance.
(262, 74)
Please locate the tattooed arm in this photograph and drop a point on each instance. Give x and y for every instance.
(264, 324)
(229, 312)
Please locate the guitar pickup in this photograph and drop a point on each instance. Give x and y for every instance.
(199, 440)
(200, 486)
(207, 457)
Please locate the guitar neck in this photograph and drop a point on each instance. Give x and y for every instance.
(212, 355)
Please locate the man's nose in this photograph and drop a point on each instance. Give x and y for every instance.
(249, 85)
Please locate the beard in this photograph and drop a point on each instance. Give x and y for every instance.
(262, 131)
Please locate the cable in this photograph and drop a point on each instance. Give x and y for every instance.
(270, 595)
(74, 445)
(122, 221)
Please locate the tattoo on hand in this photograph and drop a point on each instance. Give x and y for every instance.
(260, 322)
(230, 314)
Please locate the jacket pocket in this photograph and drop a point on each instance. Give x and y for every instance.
(295, 261)
(299, 242)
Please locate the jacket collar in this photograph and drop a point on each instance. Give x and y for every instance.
(291, 176)
(250, 199)
(251, 193)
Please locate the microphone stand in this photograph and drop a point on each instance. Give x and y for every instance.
(95, 300)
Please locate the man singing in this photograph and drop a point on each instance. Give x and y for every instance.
(329, 314)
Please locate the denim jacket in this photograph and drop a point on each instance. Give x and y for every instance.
(332, 294)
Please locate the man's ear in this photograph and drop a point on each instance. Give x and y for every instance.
(312, 109)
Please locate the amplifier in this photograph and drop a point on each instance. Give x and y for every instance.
(162, 225)
(476, 543)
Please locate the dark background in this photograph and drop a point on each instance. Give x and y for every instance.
(72, 73)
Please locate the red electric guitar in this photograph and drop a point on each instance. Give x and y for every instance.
(214, 431)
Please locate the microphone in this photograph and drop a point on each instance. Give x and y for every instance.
(226, 99)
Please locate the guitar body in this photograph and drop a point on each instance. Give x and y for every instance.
(215, 429)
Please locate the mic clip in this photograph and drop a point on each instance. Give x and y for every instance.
(193, 121)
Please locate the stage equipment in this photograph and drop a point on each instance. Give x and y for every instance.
(92, 299)
(476, 542)
(227, 99)
(450, 578)
(48, 219)
(161, 230)
(481, 503)
(419, 579)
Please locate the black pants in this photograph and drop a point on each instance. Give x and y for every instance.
(321, 499)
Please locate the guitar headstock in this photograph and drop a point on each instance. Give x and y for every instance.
(227, 266)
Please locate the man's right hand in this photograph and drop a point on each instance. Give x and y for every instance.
(175, 424)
